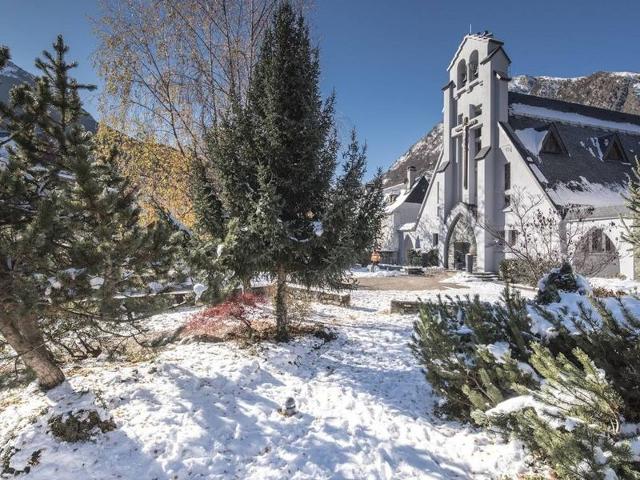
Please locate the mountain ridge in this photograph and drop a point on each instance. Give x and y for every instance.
(619, 91)
(12, 75)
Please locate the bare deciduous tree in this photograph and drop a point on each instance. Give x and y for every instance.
(540, 238)
(171, 66)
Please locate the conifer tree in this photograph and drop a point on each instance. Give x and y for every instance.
(274, 161)
(71, 245)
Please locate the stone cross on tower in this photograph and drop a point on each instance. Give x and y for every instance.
(463, 129)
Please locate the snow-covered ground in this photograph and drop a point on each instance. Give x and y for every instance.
(205, 410)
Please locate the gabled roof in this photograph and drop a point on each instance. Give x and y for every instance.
(581, 173)
(414, 195)
(484, 36)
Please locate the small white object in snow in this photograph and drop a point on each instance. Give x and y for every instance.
(156, 287)
(634, 445)
(55, 283)
(220, 249)
(73, 272)
(514, 404)
(199, 289)
(96, 282)
(499, 350)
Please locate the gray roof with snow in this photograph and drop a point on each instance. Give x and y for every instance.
(581, 155)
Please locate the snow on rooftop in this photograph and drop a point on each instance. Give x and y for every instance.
(539, 175)
(568, 117)
(584, 192)
(406, 227)
(532, 139)
(398, 201)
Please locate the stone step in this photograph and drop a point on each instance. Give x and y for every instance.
(485, 276)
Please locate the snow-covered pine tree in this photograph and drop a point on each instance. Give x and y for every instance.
(274, 163)
(71, 245)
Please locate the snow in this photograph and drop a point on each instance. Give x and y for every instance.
(584, 192)
(532, 139)
(539, 175)
(499, 350)
(407, 227)
(569, 308)
(575, 118)
(210, 410)
(96, 282)
(156, 287)
(318, 228)
(375, 272)
(634, 445)
(398, 201)
(199, 289)
(616, 284)
(513, 404)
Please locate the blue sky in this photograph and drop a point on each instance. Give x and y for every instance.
(386, 59)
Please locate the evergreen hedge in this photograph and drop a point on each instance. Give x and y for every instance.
(569, 395)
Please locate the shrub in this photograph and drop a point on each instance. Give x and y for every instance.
(565, 391)
(213, 320)
(515, 270)
(561, 279)
(472, 351)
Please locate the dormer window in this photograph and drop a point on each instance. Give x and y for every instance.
(552, 142)
(614, 151)
(551, 145)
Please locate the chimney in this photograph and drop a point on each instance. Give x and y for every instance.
(411, 176)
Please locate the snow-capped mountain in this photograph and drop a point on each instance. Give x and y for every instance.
(13, 75)
(618, 91)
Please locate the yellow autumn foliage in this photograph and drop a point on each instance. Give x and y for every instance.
(161, 173)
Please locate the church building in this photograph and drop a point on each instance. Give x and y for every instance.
(501, 149)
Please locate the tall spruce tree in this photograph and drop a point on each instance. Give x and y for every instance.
(71, 245)
(274, 163)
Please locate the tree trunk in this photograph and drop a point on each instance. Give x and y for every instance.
(282, 331)
(29, 344)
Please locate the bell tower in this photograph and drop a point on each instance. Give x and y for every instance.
(475, 101)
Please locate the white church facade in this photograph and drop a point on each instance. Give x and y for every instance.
(571, 161)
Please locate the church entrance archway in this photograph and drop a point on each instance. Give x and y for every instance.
(461, 240)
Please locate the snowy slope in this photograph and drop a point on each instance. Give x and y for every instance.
(13, 75)
(618, 91)
(209, 411)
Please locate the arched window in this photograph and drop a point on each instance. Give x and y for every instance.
(462, 74)
(473, 66)
(596, 255)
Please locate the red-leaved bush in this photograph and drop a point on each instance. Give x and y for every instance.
(222, 319)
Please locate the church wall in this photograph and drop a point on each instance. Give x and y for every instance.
(431, 220)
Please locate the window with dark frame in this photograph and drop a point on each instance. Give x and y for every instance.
(507, 176)
(478, 138)
(615, 153)
(551, 144)
(596, 241)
